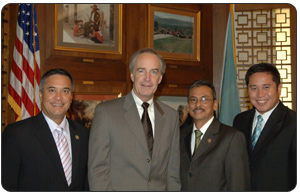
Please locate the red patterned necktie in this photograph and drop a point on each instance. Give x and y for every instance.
(64, 153)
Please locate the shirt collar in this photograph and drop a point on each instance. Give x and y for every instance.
(53, 125)
(266, 115)
(205, 126)
(139, 102)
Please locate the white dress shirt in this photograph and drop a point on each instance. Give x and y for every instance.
(265, 117)
(203, 130)
(66, 131)
(140, 109)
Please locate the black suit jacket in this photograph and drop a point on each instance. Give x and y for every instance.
(273, 160)
(220, 163)
(30, 160)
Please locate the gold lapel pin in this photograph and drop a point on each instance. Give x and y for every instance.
(77, 137)
(209, 140)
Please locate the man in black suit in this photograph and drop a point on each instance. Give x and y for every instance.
(270, 131)
(31, 151)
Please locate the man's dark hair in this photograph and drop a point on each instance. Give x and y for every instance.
(199, 83)
(55, 72)
(264, 67)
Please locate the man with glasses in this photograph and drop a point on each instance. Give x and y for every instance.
(213, 155)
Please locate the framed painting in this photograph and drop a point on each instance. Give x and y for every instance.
(83, 107)
(88, 28)
(174, 33)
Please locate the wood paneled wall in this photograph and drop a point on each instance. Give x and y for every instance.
(108, 73)
(108, 68)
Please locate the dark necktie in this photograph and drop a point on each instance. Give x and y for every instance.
(147, 127)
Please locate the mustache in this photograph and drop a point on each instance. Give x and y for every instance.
(198, 108)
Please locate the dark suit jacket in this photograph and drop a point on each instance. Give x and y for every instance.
(273, 160)
(30, 160)
(220, 163)
(119, 158)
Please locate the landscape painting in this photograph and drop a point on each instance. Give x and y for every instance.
(174, 33)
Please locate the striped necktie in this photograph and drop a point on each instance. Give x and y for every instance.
(64, 153)
(257, 131)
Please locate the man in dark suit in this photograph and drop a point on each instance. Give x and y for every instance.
(122, 155)
(213, 155)
(270, 131)
(32, 148)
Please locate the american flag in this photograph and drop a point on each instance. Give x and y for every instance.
(25, 73)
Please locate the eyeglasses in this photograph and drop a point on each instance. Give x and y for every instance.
(203, 100)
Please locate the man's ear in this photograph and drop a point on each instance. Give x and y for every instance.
(132, 77)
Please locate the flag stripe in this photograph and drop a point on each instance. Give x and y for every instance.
(15, 79)
(27, 102)
(15, 95)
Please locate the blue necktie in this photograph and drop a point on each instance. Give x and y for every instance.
(257, 131)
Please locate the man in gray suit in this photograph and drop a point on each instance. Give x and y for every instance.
(216, 158)
(122, 157)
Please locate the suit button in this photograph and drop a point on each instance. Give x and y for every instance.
(148, 160)
(149, 180)
(190, 174)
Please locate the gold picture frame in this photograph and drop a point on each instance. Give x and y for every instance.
(174, 33)
(104, 19)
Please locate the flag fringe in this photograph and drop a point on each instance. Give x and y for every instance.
(13, 104)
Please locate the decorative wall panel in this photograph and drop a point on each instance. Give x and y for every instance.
(264, 36)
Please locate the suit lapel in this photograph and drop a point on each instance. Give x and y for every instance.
(46, 139)
(134, 122)
(187, 140)
(75, 144)
(159, 126)
(271, 128)
(209, 139)
(248, 133)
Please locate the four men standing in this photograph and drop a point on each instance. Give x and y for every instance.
(135, 143)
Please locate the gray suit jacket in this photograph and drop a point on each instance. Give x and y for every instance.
(220, 163)
(118, 154)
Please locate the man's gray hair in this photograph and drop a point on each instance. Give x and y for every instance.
(151, 51)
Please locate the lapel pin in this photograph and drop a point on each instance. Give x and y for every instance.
(209, 140)
(77, 137)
